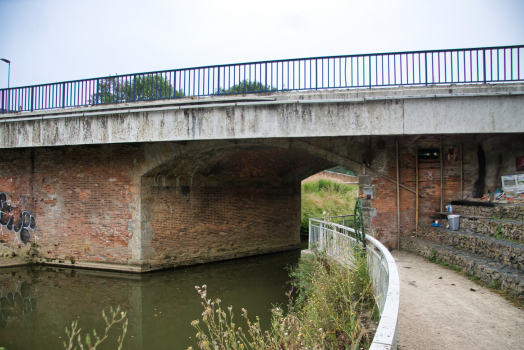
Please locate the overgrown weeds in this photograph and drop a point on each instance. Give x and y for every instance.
(325, 198)
(330, 307)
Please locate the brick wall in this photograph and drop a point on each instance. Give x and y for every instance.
(384, 224)
(90, 205)
(200, 224)
(77, 198)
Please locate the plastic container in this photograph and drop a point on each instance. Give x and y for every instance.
(453, 222)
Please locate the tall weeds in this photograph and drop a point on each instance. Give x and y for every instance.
(325, 198)
(330, 307)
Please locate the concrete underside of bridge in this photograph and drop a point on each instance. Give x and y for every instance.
(69, 197)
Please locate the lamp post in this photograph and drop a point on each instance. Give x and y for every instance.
(8, 70)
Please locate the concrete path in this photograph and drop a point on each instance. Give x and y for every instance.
(439, 310)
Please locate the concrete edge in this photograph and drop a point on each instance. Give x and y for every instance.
(69, 113)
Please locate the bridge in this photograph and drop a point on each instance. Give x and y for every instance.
(154, 170)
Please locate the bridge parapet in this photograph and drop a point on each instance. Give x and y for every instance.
(456, 66)
(454, 109)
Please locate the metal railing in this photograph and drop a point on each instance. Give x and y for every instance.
(339, 243)
(457, 66)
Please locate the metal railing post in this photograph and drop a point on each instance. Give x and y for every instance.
(218, 81)
(2, 108)
(369, 63)
(484, 64)
(426, 66)
(32, 97)
(63, 94)
(134, 88)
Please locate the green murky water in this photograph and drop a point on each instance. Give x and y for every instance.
(37, 303)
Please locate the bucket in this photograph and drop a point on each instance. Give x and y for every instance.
(453, 222)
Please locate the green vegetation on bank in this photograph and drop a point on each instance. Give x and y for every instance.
(330, 307)
(326, 198)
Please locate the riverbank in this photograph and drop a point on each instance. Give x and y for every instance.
(441, 309)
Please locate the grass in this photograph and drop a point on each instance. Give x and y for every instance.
(326, 198)
(330, 307)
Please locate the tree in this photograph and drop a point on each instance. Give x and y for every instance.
(246, 86)
(138, 88)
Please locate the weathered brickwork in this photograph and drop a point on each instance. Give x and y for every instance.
(78, 198)
(384, 224)
(196, 225)
(120, 207)
(121, 204)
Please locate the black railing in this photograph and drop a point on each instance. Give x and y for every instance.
(459, 66)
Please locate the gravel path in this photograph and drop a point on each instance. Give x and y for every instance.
(438, 310)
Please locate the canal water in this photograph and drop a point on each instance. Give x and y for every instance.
(37, 303)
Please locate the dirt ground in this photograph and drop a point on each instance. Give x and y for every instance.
(438, 310)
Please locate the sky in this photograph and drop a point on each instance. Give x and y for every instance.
(58, 40)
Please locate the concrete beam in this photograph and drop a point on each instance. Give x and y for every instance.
(462, 109)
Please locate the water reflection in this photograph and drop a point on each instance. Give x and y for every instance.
(15, 301)
(160, 305)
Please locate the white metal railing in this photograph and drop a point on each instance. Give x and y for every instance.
(339, 243)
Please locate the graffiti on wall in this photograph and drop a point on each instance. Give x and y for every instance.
(21, 223)
(17, 302)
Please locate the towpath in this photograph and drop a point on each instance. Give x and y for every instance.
(441, 309)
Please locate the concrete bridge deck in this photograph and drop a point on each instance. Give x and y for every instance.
(419, 110)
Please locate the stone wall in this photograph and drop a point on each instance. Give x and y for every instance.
(511, 230)
(511, 254)
(473, 210)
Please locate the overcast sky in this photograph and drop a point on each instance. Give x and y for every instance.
(57, 40)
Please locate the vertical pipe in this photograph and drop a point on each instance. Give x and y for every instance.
(310, 235)
(398, 197)
(416, 194)
(461, 174)
(441, 177)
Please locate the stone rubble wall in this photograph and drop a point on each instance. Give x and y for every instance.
(473, 210)
(511, 230)
(501, 211)
(509, 253)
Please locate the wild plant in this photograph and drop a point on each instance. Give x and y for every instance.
(330, 306)
(117, 316)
